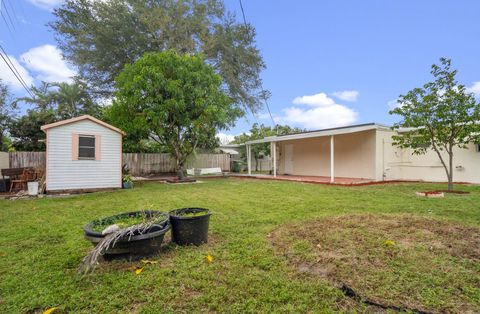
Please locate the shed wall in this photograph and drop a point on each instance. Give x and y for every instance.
(63, 173)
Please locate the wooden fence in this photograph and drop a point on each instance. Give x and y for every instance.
(26, 159)
(138, 163)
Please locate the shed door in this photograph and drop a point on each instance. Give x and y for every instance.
(289, 159)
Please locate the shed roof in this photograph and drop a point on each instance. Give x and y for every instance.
(81, 118)
(323, 132)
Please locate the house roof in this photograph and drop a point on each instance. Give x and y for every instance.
(323, 132)
(81, 118)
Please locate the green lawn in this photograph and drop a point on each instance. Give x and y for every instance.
(42, 245)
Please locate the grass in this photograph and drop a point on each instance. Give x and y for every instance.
(42, 245)
(393, 260)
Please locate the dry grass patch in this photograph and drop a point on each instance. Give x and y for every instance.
(405, 262)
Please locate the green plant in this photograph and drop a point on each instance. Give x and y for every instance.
(441, 116)
(127, 178)
(175, 100)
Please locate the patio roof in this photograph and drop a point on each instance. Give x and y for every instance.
(320, 133)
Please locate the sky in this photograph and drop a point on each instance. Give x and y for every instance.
(328, 63)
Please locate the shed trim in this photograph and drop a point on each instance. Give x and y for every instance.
(81, 118)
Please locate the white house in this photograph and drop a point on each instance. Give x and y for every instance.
(83, 153)
(364, 151)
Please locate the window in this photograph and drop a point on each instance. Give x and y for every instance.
(86, 147)
(477, 146)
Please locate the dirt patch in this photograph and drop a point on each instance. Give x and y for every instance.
(400, 262)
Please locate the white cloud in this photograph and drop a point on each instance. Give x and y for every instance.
(225, 138)
(263, 116)
(475, 89)
(320, 99)
(9, 78)
(392, 104)
(320, 117)
(46, 4)
(326, 113)
(346, 95)
(48, 64)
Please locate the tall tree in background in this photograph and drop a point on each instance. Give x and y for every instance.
(441, 116)
(51, 102)
(101, 37)
(174, 100)
(65, 100)
(73, 100)
(260, 131)
(25, 131)
(5, 116)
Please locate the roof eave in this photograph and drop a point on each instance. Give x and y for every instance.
(46, 127)
(321, 133)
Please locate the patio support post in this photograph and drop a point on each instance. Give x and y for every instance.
(332, 161)
(274, 152)
(249, 159)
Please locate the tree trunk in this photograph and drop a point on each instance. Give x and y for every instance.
(256, 164)
(450, 175)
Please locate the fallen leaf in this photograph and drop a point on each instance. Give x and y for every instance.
(138, 270)
(146, 261)
(389, 243)
(209, 258)
(50, 310)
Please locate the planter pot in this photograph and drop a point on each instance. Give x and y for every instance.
(128, 185)
(136, 246)
(32, 188)
(190, 230)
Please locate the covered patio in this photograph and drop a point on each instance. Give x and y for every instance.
(309, 179)
(344, 155)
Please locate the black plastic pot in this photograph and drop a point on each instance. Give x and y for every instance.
(190, 230)
(136, 246)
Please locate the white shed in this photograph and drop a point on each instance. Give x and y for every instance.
(83, 153)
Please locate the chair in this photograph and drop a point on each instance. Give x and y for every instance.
(26, 176)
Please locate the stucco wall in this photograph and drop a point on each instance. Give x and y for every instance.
(4, 160)
(354, 156)
(401, 164)
(63, 173)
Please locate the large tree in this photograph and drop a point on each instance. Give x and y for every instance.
(174, 100)
(65, 100)
(100, 37)
(50, 102)
(25, 131)
(259, 132)
(440, 116)
(5, 115)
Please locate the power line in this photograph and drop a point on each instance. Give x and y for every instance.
(8, 14)
(6, 23)
(261, 83)
(12, 64)
(13, 11)
(14, 70)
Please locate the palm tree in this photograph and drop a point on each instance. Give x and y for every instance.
(72, 100)
(41, 98)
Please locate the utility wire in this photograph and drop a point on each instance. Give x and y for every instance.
(13, 65)
(14, 70)
(6, 23)
(13, 11)
(261, 83)
(8, 14)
